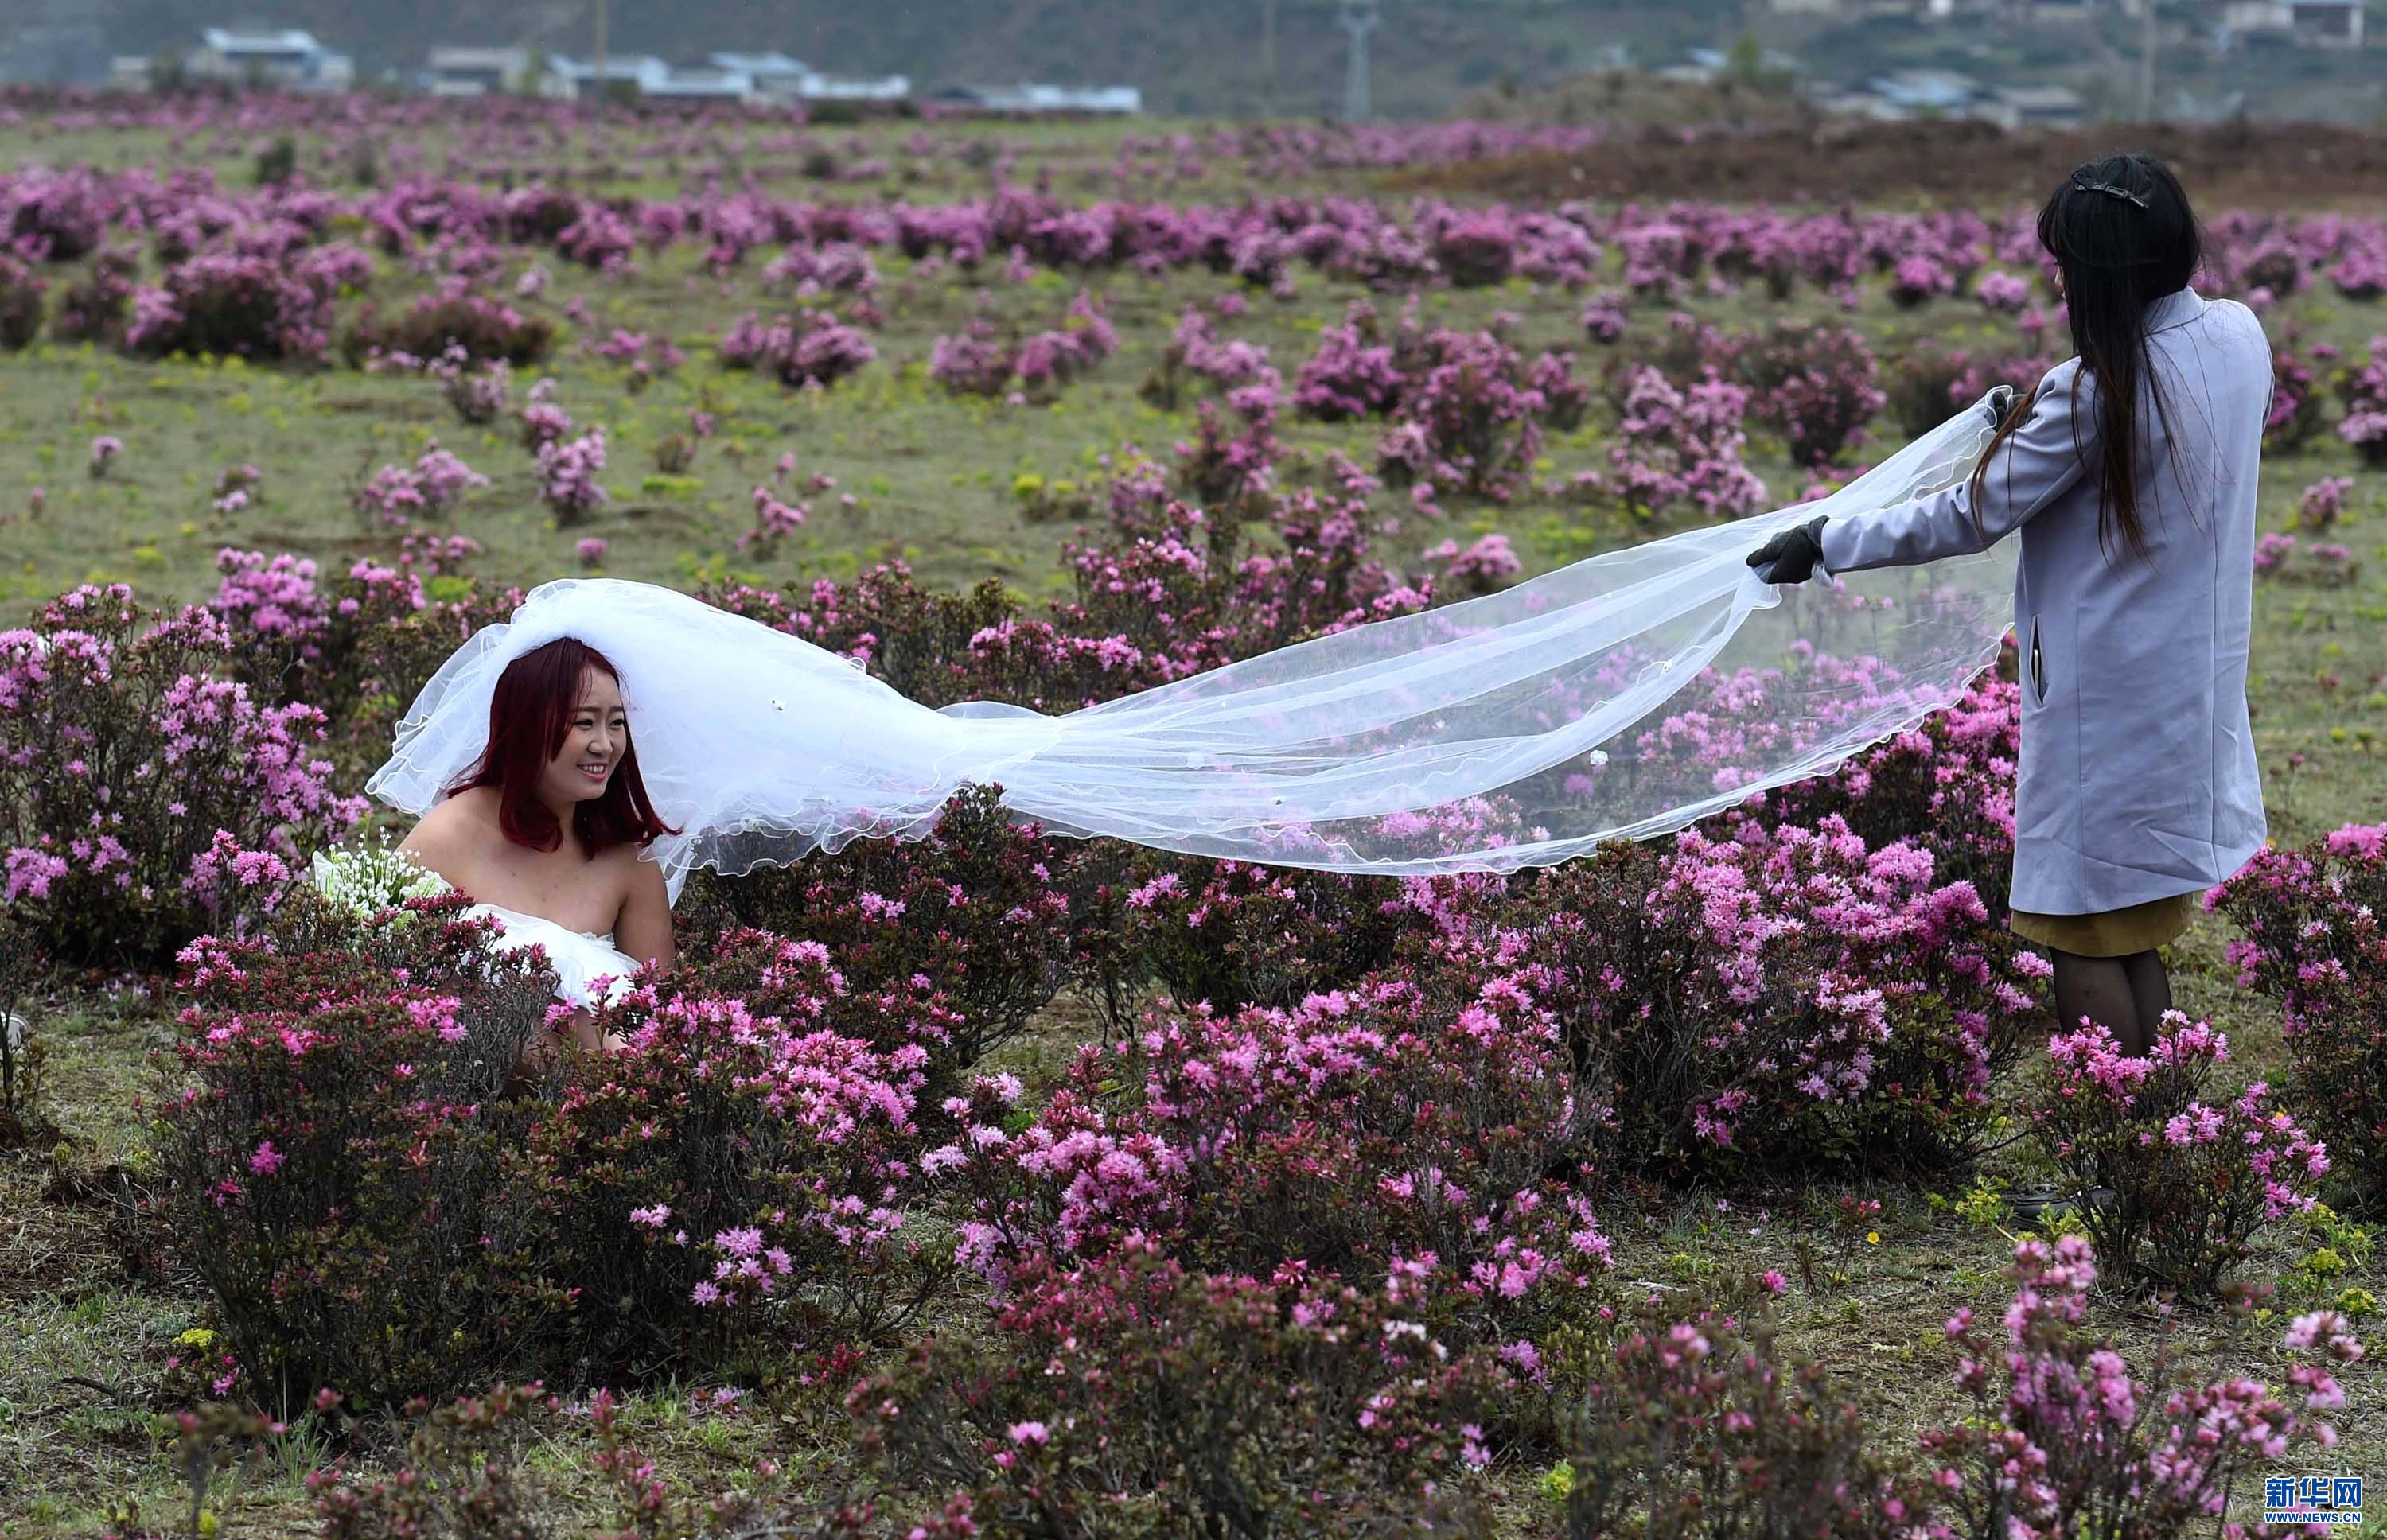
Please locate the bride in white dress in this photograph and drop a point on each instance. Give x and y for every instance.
(545, 832)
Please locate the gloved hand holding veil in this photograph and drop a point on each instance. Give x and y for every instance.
(1793, 555)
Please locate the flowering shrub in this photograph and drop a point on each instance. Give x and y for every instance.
(141, 796)
(1929, 384)
(21, 304)
(737, 1174)
(568, 470)
(222, 303)
(1195, 349)
(2323, 502)
(1705, 1419)
(542, 421)
(1474, 419)
(1814, 386)
(1945, 785)
(1486, 566)
(1135, 1388)
(971, 904)
(732, 1173)
(2065, 1441)
(809, 348)
(438, 325)
(237, 486)
(2364, 391)
(773, 520)
(93, 310)
(1352, 374)
(396, 495)
(1702, 1423)
(2366, 433)
(1917, 280)
(2325, 563)
(1230, 933)
(1678, 445)
(461, 1473)
(1784, 998)
(2189, 1180)
(1606, 314)
(1403, 1137)
(2313, 942)
(982, 363)
(479, 396)
(2001, 293)
(2295, 413)
(337, 1169)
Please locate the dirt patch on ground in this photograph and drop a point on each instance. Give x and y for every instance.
(2246, 165)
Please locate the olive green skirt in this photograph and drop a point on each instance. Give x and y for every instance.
(2114, 933)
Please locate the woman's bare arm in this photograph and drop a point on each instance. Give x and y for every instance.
(644, 928)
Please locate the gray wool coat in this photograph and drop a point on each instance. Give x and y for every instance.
(2137, 778)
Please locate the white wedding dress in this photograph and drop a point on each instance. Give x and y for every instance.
(588, 968)
(1516, 729)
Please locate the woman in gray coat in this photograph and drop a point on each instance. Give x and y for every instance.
(2130, 472)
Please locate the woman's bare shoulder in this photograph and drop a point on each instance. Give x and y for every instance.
(453, 826)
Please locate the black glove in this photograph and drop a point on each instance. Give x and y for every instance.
(1793, 555)
(1997, 403)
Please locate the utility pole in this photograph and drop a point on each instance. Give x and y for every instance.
(1268, 57)
(1358, 19)
(2147, 61)
(601, 58)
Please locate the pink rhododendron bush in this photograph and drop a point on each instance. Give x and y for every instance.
(2313, 941)
(144, 796)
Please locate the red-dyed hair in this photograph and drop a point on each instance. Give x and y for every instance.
(530, 715)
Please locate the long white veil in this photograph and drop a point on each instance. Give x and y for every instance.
(1622, 696)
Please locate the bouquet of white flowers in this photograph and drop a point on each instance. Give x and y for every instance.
(365, 879)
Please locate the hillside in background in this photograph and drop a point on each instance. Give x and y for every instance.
(1190, 56)
(1205, 58)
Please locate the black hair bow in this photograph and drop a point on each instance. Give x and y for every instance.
(2112, 189)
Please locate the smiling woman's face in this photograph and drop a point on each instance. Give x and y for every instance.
(594, 741)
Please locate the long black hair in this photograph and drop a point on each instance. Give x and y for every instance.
(2123, 236)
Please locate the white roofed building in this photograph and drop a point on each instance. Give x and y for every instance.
(1024, 97)
(290, 58)
(486, 71)
(782, 79)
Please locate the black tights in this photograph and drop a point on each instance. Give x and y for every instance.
(2127, 995)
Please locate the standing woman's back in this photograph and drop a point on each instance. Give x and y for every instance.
(2131, 473)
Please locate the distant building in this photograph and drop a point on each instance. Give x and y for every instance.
(486, 72)
(782, 79)
(1104, 99)
(650, 78)
(1928, 10)
(290, 58)
(2034, 107)
(2327, 23)
(2062, 11)
(1909, 94)
(1945, 92)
